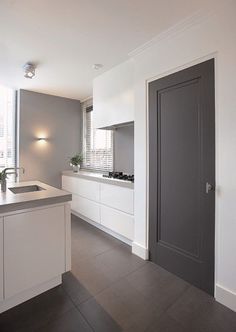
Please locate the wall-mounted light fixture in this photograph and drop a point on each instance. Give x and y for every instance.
(29, 70)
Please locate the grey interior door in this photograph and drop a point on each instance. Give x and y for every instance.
(182, 174)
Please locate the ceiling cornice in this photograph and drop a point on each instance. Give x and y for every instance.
(176, 29)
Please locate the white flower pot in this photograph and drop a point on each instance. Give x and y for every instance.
(76, 168)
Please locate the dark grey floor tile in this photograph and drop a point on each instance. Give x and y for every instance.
(80, 228)
(36, 312)
(71, 321)
(129, 308)
(148, 275)
(216, 318)
(91, 275)
(75, 290)
(98, 318)
(87, 241)
(166, 324)
(190, 305)
(199, 312)
(159, 286)
(119, 262)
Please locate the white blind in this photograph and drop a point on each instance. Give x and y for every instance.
(7, 127)
(98, 144)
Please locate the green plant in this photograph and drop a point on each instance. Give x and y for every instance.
(2, 176)
(76, 160)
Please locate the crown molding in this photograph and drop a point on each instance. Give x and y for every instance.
(176, 29)
(86, 99)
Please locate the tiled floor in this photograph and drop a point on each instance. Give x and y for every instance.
(110, 290)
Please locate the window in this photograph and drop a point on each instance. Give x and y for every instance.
(7, 127)
(97, 144)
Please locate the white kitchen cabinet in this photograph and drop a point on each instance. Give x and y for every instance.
(120, 198)
(108, 205)
(34, 248)
(119, 222)
(85, 188)
(113, 96)
(69, 184)
(1, 259)
(86, 207)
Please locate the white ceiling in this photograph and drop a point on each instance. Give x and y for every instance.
(66, 37)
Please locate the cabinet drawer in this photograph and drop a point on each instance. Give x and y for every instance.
(87, 189)
(86, 207)
(69, 184)
(118, 197)
(118, 222)
(34, 248)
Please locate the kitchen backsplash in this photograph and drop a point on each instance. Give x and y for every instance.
(124, 149)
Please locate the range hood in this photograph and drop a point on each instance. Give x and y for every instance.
(118, 125)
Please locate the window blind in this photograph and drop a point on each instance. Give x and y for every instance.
(98, 145)
(7, 127)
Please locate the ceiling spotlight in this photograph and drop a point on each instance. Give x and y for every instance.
(29, 69)
(97, 66)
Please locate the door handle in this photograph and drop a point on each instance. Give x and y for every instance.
(209, 187)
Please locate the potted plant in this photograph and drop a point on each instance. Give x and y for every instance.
(76, 161)
(3, 176)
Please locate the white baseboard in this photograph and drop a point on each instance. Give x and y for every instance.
(103, 228)
(140, 251)
(30, 293)
(225, 297)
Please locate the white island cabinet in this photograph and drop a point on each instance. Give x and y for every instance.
(106, 203)
(35, 244)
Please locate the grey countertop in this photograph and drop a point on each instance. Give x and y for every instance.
(11, 202)
(99, 178)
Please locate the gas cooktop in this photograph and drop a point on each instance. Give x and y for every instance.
(119, 176)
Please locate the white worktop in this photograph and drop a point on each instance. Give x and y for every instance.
(12, 202)
(99, 178)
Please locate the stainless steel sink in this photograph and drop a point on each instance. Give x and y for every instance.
(25, 189)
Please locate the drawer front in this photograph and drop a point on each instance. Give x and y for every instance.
(69, 184)
(87, 189)
(118, 222)
(118, 197)
(86, 207)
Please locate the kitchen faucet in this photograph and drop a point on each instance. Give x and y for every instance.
(4, 173)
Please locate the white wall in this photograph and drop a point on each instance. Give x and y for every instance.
(189, 43)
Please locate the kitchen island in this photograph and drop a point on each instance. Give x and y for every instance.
(35, 240)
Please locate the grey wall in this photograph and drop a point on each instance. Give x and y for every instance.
(57, 118)
(124, 149)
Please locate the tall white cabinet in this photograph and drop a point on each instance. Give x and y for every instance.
(113, 96)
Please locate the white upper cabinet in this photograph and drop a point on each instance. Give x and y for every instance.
(113, 96)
